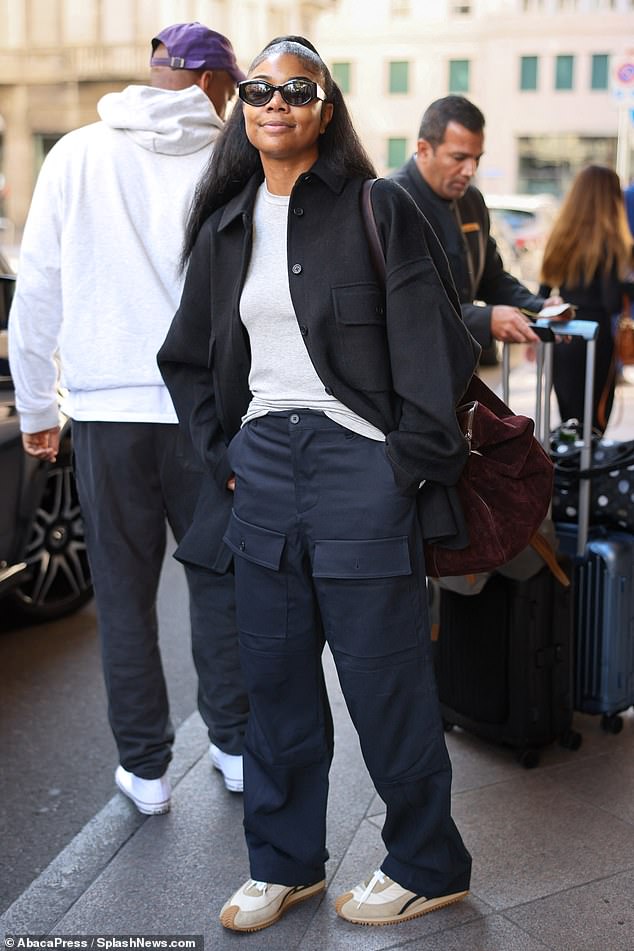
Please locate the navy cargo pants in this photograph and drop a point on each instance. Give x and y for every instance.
(327, 548)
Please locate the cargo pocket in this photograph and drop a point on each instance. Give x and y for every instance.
(368, 595)
(363, 558)
(261, 590)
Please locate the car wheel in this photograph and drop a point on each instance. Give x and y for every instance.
(58, 581)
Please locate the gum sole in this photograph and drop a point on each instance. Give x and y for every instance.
(228, 916)
(433, 904)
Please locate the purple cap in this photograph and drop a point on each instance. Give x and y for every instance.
(194, 46)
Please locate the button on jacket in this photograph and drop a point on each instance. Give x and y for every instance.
(474, 259)
(400, 358)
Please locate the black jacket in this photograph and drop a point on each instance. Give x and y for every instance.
(474, 259)
(400, 359)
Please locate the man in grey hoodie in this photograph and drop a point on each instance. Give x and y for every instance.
(98, 284)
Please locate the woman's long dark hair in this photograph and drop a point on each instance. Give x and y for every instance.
(234, 160)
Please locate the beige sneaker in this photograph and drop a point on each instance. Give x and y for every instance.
(380, 901)
(259, 904)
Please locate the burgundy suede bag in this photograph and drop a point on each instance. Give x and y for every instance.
(506, 485)
(504, 489)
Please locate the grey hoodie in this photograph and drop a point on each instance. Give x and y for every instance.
(155, 118)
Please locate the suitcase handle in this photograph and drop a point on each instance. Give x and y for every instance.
(544, 383)
(585, 330)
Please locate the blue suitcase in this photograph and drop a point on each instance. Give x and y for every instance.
(603, 611)
(603, 588)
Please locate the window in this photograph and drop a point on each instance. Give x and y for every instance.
(396, 152)
(599, 77)
(548, 163)
(528, 72)
(564, 69)
(458, 75)
(399, 77)
(43, 143)
(341, 75)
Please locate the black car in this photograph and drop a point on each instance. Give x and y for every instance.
(43, 561)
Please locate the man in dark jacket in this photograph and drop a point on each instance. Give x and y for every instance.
(438, 177)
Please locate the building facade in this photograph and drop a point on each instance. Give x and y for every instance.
(58, 57)
(542, 71)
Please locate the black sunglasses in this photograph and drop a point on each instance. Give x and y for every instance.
(295, 92)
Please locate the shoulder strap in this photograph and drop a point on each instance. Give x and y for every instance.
(467, 249)
(540, 544)
(371, 230)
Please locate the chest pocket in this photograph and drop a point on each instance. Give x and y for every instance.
(360, 315)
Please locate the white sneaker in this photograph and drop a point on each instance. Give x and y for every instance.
(230, 767)
(150, 796)
(257, 905)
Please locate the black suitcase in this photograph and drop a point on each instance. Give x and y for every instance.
(503, 657)
(503, 661)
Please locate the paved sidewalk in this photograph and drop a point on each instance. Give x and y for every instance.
(553, 847)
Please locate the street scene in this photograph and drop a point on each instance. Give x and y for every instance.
(234, 451)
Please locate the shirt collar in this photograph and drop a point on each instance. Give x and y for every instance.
(243, 202)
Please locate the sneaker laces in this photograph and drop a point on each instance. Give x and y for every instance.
(261, 886)
(376, 878)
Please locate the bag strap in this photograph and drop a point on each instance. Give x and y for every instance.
(372, 232)
(605, 393)
(546, 552)
(624, 456)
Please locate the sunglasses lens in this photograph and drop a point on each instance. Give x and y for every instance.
(298, 92)
(256, 93)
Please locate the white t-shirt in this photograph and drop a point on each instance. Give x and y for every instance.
(282, 376)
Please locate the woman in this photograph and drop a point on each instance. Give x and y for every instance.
(587, 256)
(339, 401)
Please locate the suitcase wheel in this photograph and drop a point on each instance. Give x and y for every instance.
(611, 723)
(529, 759)
(570, 740)
(447, 726)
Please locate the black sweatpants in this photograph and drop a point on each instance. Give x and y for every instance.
(132, 478)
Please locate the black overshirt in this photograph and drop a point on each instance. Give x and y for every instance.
(400, 359)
